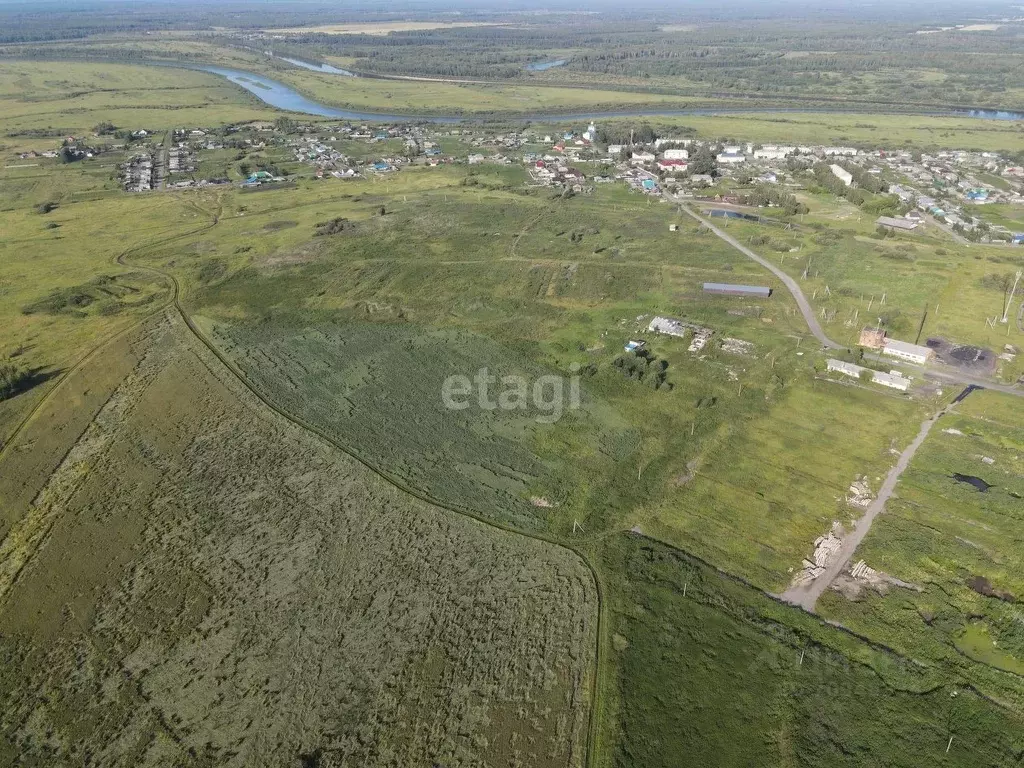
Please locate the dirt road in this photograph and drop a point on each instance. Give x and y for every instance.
(815, 327)
(806, 595)
(805, 306)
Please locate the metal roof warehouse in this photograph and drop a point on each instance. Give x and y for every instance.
(738, 290)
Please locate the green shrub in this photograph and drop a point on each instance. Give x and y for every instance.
(13, 378)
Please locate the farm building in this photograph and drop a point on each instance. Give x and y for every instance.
(727, 289)
(893, 379)
(889, 221)
(844, 367)
(667, 325)
(912, 353)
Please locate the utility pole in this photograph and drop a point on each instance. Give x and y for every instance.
(1009, 301)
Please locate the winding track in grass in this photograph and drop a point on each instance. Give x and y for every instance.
(592, 746)
(593, 741)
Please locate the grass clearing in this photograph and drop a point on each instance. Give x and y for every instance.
(712, 670)
(961, 547)
(227, 589)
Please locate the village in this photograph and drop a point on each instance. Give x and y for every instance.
(950, 188)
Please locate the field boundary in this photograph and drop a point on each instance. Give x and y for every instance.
(591, 750)
(81, 361)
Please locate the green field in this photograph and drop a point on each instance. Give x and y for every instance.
(240, 526)
(211, 579)
(61, 99)
(961, 547)
(787, 690)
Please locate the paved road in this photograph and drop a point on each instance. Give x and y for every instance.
(951, 377)
(806, 595)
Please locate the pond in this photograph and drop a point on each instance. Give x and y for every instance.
(977, 482)
(724, 214)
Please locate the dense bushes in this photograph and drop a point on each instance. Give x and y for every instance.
(642, 366)
(13, 378)
(331, 227)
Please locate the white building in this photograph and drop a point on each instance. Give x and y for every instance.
(844, 367)
(675, 154)
(893, 379)
(639, 158)
(673, 166)
(615, 149)
(912, 353)
(771, 152)
(842, 174)
(730, 158)
(840, 151)
(658, 143)
(591, 133)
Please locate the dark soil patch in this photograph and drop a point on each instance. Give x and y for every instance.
(275, 225)
(965, 357)
(983, 586)
(968, 354)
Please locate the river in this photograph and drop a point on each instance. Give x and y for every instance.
(281, 96)
(326, 68)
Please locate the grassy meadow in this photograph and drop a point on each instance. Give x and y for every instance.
(227, 588)
(212, 579)
(959, 546)
(61, 285)
(711, 671)
(60, 98)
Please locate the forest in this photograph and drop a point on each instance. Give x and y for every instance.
(856, 57)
